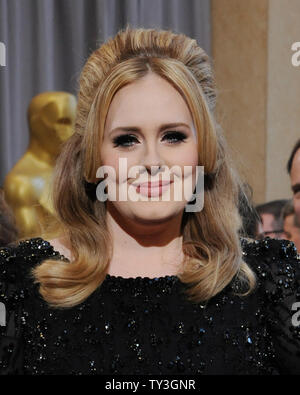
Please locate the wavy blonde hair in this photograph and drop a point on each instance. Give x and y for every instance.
(211, 241)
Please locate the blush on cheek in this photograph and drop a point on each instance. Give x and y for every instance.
(187, 157)
(110, 160)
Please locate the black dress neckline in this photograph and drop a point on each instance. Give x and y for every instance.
(137, 279)
(143, 278)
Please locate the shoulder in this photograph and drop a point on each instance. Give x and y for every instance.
(17, 288)
(16, 264)
(29, 249)
(277, 267)
(269, 251)
(276, 264)
(18, 258)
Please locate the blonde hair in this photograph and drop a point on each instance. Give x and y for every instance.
(210, 238)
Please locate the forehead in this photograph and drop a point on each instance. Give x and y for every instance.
(295, 170)
(151, 99)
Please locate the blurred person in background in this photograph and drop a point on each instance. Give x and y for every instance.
(290, 224)
(8, 230)
(293, 168)
(271, 218)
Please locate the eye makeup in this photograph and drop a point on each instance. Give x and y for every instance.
(128, 140)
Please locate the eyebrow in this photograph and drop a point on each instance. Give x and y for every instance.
(296, 188)
(137, 129)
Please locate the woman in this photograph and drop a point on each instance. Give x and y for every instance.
(147, 286)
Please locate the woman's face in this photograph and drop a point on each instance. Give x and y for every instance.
(150, 125)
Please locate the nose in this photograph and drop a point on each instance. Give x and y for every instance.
(152, 159)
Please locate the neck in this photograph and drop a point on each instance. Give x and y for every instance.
(141, 249)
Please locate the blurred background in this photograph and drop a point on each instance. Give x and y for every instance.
(48, 41)
(249, 42)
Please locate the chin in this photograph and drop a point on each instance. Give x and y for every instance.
(147, 212)
(156, 211)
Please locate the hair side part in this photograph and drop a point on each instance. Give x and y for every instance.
(210, 238)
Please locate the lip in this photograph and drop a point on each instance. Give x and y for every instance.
(152, 189)
(155, 184)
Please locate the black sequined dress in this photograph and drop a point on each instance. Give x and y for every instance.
(147, 326)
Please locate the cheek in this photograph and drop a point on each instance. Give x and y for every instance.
(108, 156)
(188, 156)
(119, 162)
(185, 183)
(188, 162)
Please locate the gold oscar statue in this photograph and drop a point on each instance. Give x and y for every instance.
(27, 186)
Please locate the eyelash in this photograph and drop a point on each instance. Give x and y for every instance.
(127, 138)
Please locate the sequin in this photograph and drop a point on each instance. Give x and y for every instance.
(146, 326)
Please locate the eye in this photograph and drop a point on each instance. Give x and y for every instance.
(124, 140)
(129, 140)
(175, 137)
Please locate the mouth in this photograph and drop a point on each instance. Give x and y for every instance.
(156, 188)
